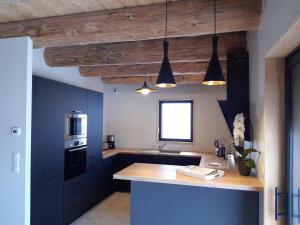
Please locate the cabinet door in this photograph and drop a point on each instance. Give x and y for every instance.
(47, 201)
(95, 125)
(47, 128)
(94, 193)
(107, 176)
(121, 162)
(76, 99)
(74, 198)
(73, 208)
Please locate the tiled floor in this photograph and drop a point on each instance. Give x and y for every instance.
(115, 210)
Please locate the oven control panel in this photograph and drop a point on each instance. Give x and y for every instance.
(75, 143)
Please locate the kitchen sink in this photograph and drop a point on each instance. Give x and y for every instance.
(154, 151)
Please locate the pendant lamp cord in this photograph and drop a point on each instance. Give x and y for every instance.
(166, 24)
(145, 73)
(215, 17)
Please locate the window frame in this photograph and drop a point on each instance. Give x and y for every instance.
(161, 102)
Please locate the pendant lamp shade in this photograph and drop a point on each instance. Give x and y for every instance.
(214, 74)
(165, 77)
(145, 89)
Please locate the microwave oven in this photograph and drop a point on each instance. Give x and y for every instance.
(75, 126)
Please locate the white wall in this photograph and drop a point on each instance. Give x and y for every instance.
(69, 75)
(15, 98)
(277, 17)
(133, 117)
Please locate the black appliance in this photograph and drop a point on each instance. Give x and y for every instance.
(75, 144)
(111, 141)
(75, 161)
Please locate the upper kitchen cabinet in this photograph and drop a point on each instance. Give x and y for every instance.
(47, 128)
(95, 125)
(76, 99)
(237, 90)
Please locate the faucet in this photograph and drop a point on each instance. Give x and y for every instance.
(160, 147)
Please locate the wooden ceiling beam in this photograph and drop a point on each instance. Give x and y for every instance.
(139, 69)
(186, 18)
(181, 49)
(181, 79)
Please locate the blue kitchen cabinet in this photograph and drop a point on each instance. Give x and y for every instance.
(54, 201)
(47, 201)
(108, 170)
(47, 168)
(94, 184)
(95, 126)
(48, 110)
(124, 160)
(76, 99)
(74, 198)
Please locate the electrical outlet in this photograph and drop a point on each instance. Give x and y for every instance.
(16, 131)
(16, 162)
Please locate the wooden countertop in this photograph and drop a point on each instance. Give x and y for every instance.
(112, 152)
(167, 174)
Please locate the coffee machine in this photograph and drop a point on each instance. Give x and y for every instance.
(111, 141)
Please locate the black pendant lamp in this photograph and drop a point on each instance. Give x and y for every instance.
(165, 77)
(145, 89)
(214, 74)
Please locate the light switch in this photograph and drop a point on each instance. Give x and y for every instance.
(16, 162)
(16, 131)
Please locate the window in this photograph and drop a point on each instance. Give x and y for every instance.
(176, 120)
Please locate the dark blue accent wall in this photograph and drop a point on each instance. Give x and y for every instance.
(167, 204)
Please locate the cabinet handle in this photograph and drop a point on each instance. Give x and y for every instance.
(47, 171)
(76, 199)
(93, 165)
(298, 197)
(50, 181)
(279, 195)
(74, 181)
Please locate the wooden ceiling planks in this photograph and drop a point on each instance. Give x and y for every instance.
(186, 18)
(186, 68)
(18, 11)
(181, 79)
(184, 49)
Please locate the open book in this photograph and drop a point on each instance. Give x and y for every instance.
(199, 172)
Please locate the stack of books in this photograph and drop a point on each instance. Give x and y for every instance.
(199, 172)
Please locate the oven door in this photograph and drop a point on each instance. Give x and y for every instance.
(75, 162)
(76, 126)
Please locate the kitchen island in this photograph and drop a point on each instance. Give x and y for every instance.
(160, 196)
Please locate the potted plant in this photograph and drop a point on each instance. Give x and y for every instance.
(245, 163)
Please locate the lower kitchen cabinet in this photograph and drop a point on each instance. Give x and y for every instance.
(94, 184)
(109, 168)
(124, 160)
(47, 201)
(73, 207)
(74, 198)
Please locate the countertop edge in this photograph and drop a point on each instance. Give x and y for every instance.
(165, 181)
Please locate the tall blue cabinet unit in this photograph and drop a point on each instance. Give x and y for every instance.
(47, 169)
(54, 201)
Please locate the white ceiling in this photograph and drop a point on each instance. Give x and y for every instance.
(69, 75)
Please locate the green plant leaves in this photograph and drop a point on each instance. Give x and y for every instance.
(250, 163)
(246, 152)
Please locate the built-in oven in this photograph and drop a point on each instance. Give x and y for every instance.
(75, 125)
(75, 160)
